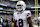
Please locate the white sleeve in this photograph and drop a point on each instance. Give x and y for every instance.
(28, 14)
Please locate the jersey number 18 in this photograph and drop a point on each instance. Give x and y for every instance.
(20, 23)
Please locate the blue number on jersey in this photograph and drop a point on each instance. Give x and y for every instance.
(20, 23)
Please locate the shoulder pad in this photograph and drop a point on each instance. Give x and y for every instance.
(27, 11)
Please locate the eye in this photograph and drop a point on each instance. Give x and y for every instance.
(19, 5)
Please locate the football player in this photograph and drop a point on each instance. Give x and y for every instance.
(22, 17)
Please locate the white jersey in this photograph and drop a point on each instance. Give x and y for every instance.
(21, 18)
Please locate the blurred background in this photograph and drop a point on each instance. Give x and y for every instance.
(29, 3)
(7, 8)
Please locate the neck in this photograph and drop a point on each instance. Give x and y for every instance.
(20, 11)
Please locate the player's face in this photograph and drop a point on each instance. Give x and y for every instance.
(19, 7)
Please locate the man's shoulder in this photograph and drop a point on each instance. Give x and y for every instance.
(27, 11)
